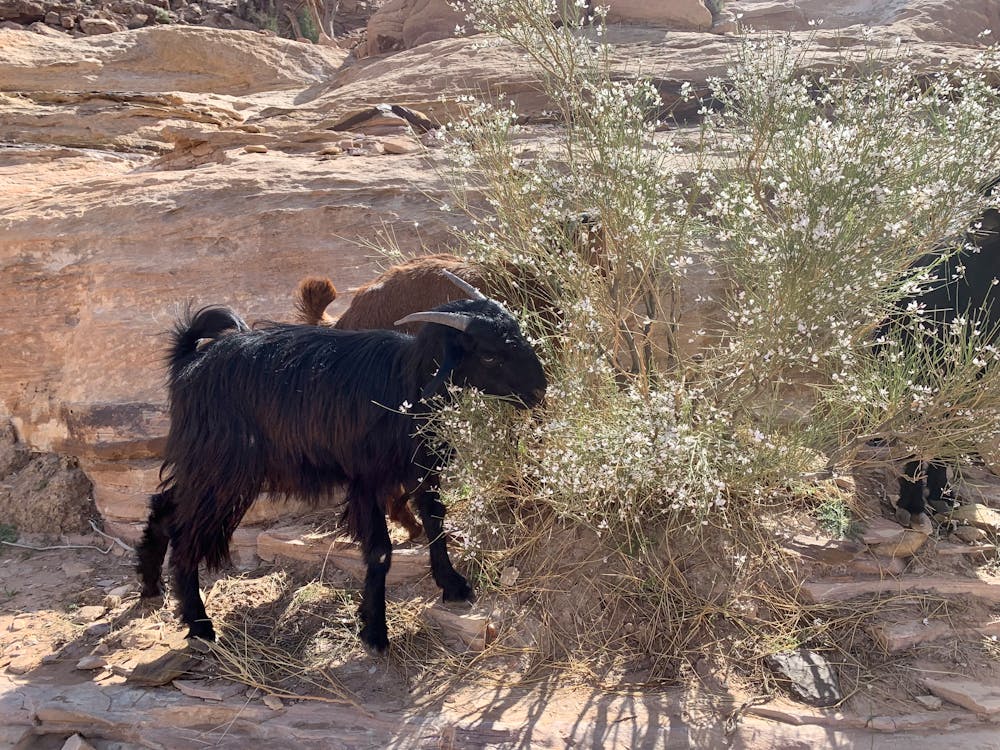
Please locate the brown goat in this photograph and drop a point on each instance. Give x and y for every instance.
(392, 295)
(418, 284)
(415, 284)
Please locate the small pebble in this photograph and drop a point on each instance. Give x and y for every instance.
(97, 629)
(92, 662)
(273, 702)
(254, 148)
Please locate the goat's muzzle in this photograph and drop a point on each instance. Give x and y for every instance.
(536, 398)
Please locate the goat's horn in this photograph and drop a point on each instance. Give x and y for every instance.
(454, 320)
(464, 285)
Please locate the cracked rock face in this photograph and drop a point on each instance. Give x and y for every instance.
(146, 169)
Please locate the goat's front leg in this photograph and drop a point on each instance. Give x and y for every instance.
(186, 589)
(377, 549)
(454, 587)
(938, 495)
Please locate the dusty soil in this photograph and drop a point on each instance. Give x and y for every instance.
(79, 600)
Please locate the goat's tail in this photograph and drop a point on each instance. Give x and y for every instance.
(192, 330)
(311, 300)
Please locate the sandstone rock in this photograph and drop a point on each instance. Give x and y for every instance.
(164, 669)
(76, 742)
(951, 550)
(987, 588)
(475, 631)
(60, 493)
(980, 697)
(974, 514)
(255, 149)
(89, 613)
(164, 59)
(930, 702)
(874, 565)
(823, 550)
(880, 531)
(98, 629)
(509, 576)
(43, 29)
(810, 677)
(92, 662)
(385, 118)
(903, 635)
(209, 690)
(92, 26)
(298, 543)
(402, 24)
(725, 23)
(21, 664)
(137, 20)
(23, 11)
(690, 15)
(969, 534)
(273, 702)
(303, 544)
(399, 145)
(905, 546)
(52, 18)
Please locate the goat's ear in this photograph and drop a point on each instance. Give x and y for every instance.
(453, 352)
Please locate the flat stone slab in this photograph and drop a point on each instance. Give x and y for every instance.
(823, 550)
(843, 590)
(305, 545)
(209, 690)
(980, 697)
(899, 636)
(474, 630)
(906, 545)
(974, 514)
(881, 531)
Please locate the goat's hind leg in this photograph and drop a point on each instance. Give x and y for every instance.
(454, 587)
(153, 547)
(911, 493)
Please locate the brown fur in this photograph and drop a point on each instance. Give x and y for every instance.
(312, 298)
(402, 289)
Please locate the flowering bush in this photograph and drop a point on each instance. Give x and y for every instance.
(827, 186)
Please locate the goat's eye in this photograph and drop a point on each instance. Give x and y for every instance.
(488, 359)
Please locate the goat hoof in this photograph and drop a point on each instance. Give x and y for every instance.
(459, 591)
(151, 592)
(922, 523)
(903, 517)
(375, 638)
(203, 631)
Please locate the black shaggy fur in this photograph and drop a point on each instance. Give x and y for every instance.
(958, 293)
(295, 410)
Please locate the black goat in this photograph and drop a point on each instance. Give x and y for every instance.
(295, 410)
(970, 285)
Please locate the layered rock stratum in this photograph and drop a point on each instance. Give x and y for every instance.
(145, 170)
